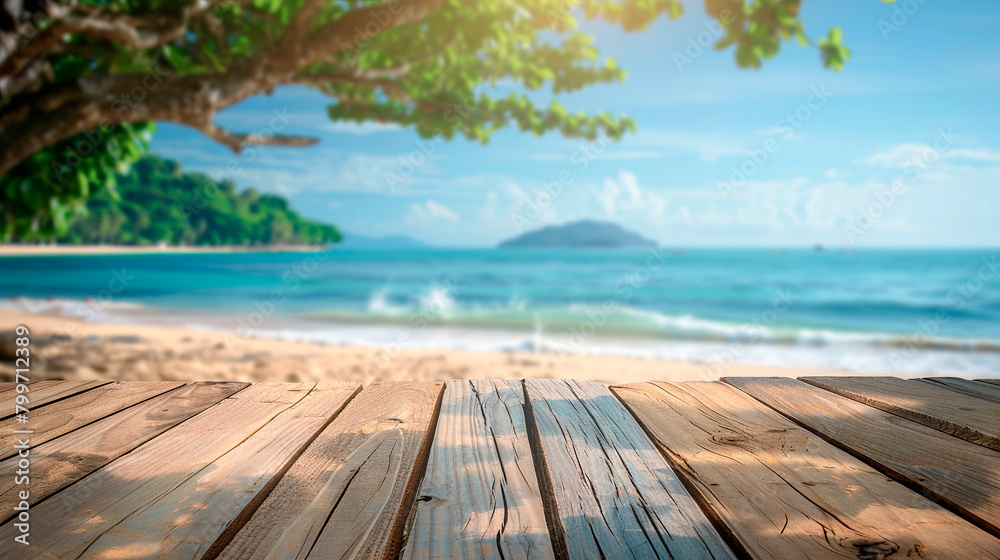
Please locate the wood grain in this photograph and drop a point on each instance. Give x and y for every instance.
(76, 517)
(961, 474)
(62, 417)
(349, 493)
(971, 419)
(784, 492)
(8, 389)
(60, 462)
(480, 497)
(183, 523)
(967, 387)
(40, 396)
(612, 493)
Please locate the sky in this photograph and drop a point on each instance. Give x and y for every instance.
(900, 149)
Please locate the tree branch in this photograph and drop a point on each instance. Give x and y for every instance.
(193, 99)
(141, 31)
(236, 142)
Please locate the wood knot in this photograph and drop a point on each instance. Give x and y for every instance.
(874, 549)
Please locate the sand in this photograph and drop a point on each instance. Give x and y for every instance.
(16, 250)
(69, 348)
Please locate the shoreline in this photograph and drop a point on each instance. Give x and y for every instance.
(27, 250)
(70, 348)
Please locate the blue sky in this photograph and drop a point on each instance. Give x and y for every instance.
(901, 148)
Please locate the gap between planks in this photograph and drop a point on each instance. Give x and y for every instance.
(63, 461)
(349, 494)
(479, 497)
(786, 493)
(963, 476)
(48, 393)
(967, 387)
(612, 492)
(935, 406)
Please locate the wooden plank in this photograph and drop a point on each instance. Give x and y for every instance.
(8, 389)
(967, 387)
(961, 474)
(612, 494)
(349, 493)
(784, 492)
(480, 497)
(969, 418)
(77, 516)
(48, 393)
(64, 460)
(221, 496)
(69, 414)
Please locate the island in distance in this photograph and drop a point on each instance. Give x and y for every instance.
(584, 234)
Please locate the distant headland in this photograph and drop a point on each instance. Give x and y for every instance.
(583, 234)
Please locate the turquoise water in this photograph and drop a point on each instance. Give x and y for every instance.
(923, 303)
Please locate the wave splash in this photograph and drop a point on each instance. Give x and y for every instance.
(438, 306)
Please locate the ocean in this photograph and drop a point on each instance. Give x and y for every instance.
(894, 311)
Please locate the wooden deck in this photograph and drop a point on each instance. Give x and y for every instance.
(764, 468)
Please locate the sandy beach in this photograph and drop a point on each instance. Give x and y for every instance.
(18, 250)
(69, 348)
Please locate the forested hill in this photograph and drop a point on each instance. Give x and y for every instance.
(158, 202)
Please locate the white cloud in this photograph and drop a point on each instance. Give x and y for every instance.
(368, 172)
(607, 197)
(324, 170)
(903, 154)
(624, 197)
(430, 211)
(657, 205)
(900, 155)
(979, 154)
(785, 132)
(490, 206)
(530, 210)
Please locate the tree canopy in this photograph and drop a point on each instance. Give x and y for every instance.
(81, 81)
(144, 209)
